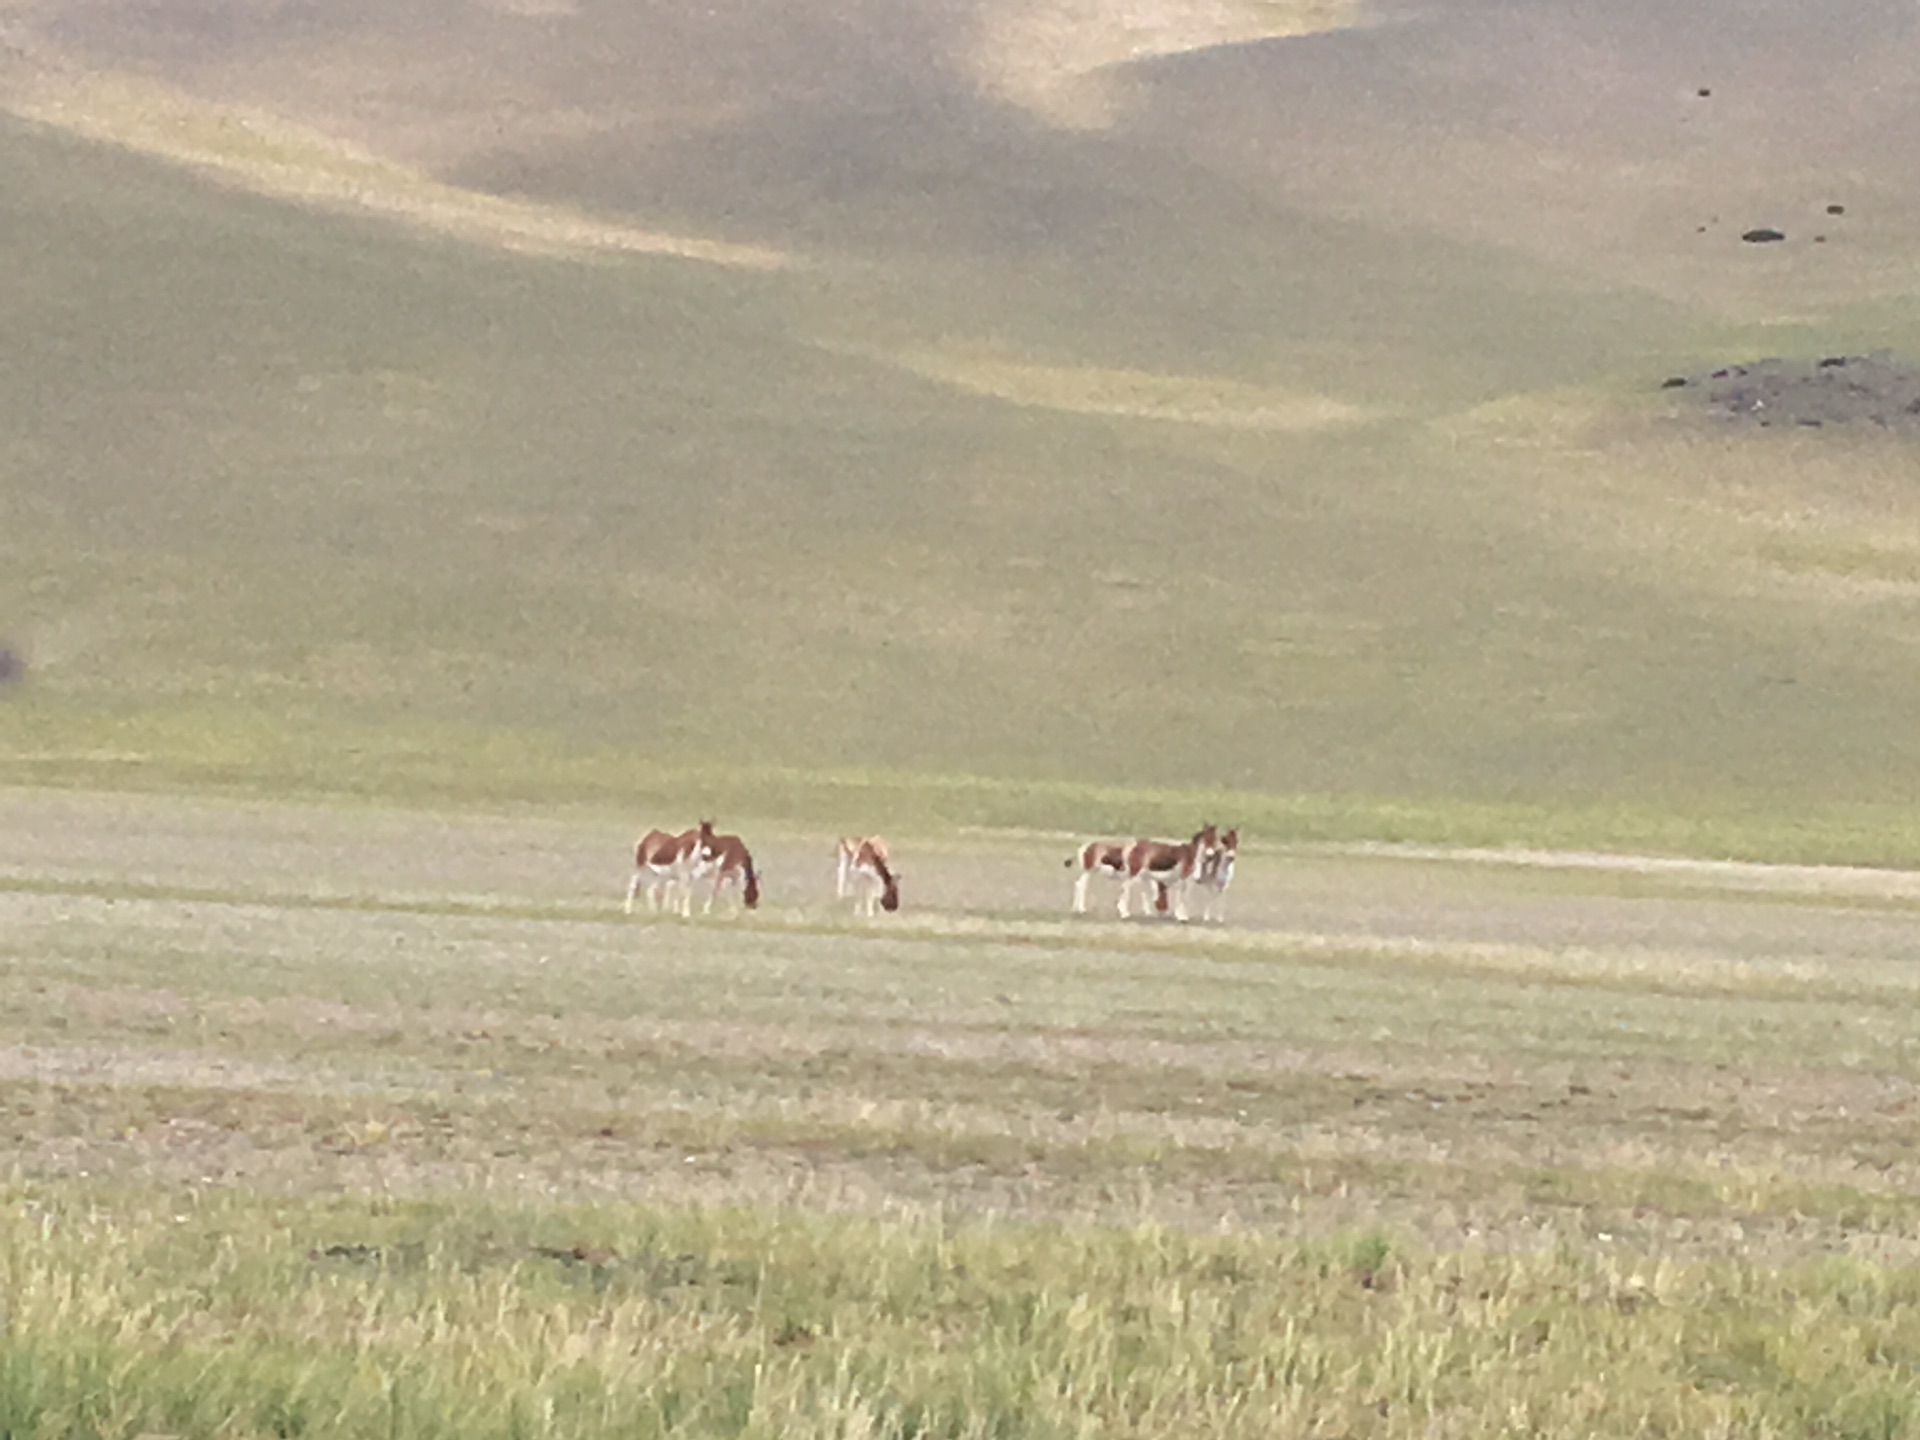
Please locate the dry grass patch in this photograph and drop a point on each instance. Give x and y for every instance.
(1059, 59)
(254, 150)
(1824, 515)
(1209, 401)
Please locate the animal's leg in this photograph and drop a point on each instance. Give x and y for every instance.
(633, 888)
(1080, 892)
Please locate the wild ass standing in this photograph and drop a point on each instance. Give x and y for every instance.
(665, 863)
(863, 867)
(1216, 874)
(1105, 857)
(1174, 866)
(731, 863)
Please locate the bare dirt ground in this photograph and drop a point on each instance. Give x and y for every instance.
(1704, 1058)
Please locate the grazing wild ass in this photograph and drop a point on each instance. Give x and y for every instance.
(1216, 874)
(727, 857)
(1173, 866)
(863, 869)
(667, 865)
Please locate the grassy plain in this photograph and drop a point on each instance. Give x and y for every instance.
(360, 1121)
(802, 437)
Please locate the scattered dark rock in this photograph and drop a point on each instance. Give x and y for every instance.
(1762, 236)
(1836, 209)
(1831, 391)
(1703, 92)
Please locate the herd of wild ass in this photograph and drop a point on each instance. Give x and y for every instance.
(669, 868)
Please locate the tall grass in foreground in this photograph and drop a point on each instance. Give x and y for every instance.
(220, 1313)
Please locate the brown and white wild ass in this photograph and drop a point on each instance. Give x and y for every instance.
(1102, 857)
(1109, 858)
(727, 857)
(1174, 866)
(1216, 874)
(863, 867)
(666, 864)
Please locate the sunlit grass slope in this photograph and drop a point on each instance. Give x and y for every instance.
(289, 499)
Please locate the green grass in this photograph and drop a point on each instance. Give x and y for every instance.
(353, 1120)
(303, 749)
(197, 1314)
(340, 509)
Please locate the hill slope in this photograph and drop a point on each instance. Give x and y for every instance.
(1035, 451)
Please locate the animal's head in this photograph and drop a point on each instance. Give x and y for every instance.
(706, 845)
(1217, 864)
(890, 897)
(750, 897)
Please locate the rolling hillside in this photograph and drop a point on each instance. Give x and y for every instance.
(624, 405)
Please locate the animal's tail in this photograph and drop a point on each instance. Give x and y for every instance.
(751, 895)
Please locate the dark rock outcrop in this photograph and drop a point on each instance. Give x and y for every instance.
(1876, 390)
